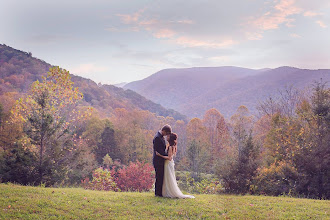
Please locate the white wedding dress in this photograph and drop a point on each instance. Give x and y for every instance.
(170, 186)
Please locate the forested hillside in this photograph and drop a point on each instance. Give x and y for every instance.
(18, 69)
(193, 91)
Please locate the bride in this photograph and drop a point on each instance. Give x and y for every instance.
(170, 187)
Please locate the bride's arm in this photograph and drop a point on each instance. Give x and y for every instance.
(170, 154)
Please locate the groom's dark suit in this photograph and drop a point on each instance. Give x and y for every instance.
(158, 162)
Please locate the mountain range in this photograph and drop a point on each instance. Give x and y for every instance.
(192, 91)
(170, 92)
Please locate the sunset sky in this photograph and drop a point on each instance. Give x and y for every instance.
(113, 41)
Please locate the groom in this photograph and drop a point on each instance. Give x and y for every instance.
(158, 162)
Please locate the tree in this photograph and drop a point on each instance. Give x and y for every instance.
(1, 114)
(197, 138)
(212, 121)
(194, 159)
(107, 144)
(285, 103)
(49, 113)
(247, 165)
(312, 158)
(237, 171)
(180, 128)
(107, 161)
(9, 133)
(241, 123)
(133, 136)
(17, 165)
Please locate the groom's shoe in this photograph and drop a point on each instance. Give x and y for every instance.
(158, 196)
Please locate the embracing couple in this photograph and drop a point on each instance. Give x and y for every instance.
(166, 185)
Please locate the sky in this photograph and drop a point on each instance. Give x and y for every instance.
(114, 41)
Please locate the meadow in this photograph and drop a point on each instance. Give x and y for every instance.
(27, 202)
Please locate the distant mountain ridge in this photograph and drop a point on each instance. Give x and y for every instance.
(193, 91)
(120, 84)
(18, 69)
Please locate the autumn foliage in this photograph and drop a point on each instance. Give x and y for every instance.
(103, 179)
(136, 177)
(49, 135)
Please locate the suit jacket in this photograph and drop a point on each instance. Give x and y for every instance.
(160, 146)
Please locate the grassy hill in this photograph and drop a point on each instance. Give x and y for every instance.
(25, 202)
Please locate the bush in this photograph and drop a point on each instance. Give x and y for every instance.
(136, 177)
(17, 165)
(208, 184)
(276, 180)
(102, 180)
(208, 187)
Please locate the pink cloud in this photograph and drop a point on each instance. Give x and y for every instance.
(164, 29)
(253, 36)
(191, 42)
(311, 14)
(185, 21)
(321, 23)
(88, 69)
(280, 14)
(131, 18)
(272, 20)
(164, 33)
(295, 35)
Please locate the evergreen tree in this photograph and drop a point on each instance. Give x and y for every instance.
(49, 113)
(107, 144)
(193, 157)
(19, 166)
(237, 172)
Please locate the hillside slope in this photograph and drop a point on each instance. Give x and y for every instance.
(18, 69)
(193, 91)
(174, 87)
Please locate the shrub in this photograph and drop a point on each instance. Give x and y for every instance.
(207, 186)
(136, 177)
(276, 180)
(102, 180)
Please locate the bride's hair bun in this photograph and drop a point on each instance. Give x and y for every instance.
(173, 137)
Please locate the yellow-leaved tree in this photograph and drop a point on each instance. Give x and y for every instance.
(50, 113)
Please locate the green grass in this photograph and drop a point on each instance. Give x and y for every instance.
(26, 202)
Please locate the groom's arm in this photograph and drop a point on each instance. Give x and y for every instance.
(159, 146)
(169, 156)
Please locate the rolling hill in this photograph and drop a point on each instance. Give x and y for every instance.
(18, 69)
(193, 91)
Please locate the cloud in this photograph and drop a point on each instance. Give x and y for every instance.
(279, 15)
(253, 36)
(185, 21)
(191, 42)
(219, 59)
(88, 69)
(131, 18)
(321, 23)
(293, 35)
(46, 39)
(166, 29)
(312, 14)
(164, 33)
